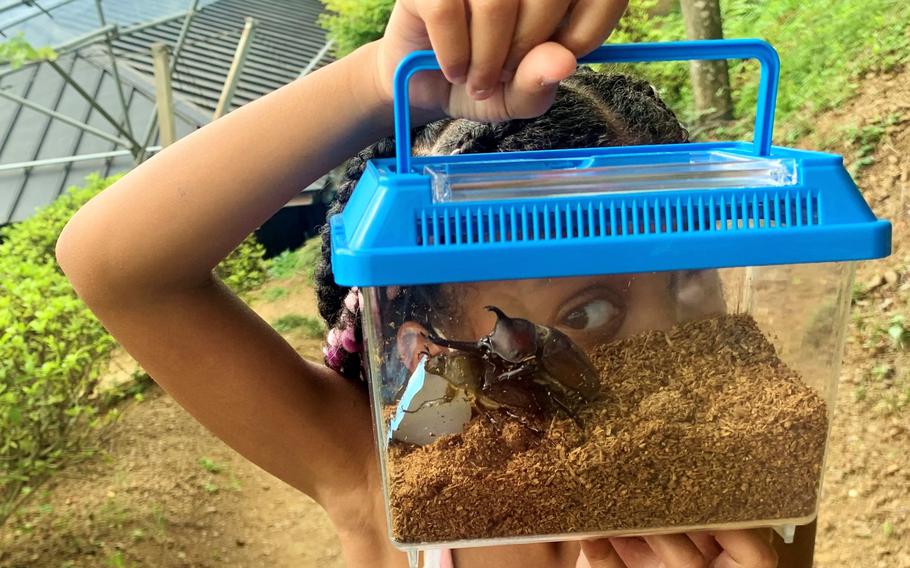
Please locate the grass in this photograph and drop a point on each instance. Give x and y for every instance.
(825, 49)
(311, 327)
(116, 560)
(275, 294)
(210, 465)
(863, 141)
(302, 261)
(284, 265)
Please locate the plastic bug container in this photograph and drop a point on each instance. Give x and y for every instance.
(605, 341)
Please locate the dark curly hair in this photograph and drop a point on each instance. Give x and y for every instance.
(591, 109)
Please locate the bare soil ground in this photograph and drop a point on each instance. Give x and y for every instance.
(165, 493)
(865, 513)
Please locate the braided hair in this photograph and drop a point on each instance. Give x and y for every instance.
(591, 109)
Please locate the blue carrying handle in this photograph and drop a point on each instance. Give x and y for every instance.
(621, 53)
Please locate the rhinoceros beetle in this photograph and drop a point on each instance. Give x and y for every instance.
(517, 352)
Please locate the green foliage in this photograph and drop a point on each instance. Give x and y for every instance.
(33, 241)
(210, 465)
(311, 327)
(16, 52)
(285, 265)
(863, 141)
(52, 348)
(898, 332)
(352, 23)
(275, 294)
(824, 48)
(309, 256)
(302, 261)
(246, 268)
(640, 24)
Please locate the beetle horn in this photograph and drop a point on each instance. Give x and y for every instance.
(459, 345)
(499, 313)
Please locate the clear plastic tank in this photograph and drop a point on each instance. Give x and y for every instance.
(603, 341)
(546, 409)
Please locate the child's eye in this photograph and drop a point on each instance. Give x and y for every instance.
(591, 315)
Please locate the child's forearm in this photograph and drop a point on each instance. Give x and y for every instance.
(172, 219)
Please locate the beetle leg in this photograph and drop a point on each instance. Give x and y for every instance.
(523, 420)
(565, 408)
(429, 404)
(517, 373)
(449, 396)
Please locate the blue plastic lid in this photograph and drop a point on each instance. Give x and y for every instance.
(602, 210)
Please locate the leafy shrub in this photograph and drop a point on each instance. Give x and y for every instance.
(16, 52)
(33, 241)
(52, 347)
(246, 268)
(352, 23)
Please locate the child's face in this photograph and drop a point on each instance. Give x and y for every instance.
(591, 310)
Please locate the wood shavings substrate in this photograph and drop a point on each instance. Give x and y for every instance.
(699, 425)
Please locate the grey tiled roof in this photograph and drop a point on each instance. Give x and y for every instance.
(286, 41)
(27, 135)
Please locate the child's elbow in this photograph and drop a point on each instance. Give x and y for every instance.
(78, 258)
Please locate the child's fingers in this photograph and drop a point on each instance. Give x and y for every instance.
(492, 25)
(706, 544)
(634, 552)
(537, 21)
(590, 23)
(533, 89)
(447, 27)
(599, 554)
(745, 549)
(676, 551)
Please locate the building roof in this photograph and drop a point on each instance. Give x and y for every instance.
(287, 41)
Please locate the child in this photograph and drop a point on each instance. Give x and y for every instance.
(141, 254)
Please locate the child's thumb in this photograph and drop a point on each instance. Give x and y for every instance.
(533, 89)
(599, 554)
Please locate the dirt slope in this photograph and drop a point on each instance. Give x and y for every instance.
(865, 515)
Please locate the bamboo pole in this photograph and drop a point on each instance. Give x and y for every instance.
(230, 84)
(164, 97)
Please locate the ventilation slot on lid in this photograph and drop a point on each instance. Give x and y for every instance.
(612, 218)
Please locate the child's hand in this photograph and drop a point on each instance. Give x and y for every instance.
(502, 59)
(725, 549)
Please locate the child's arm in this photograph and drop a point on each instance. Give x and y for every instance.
(141, 253)
(141, 256)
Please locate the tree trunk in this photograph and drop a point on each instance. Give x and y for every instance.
(710, 79)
